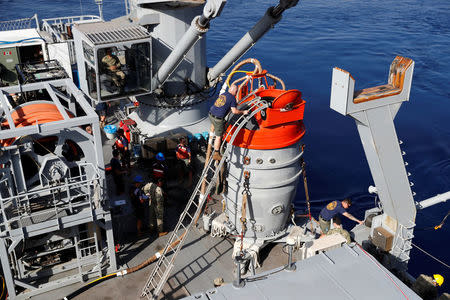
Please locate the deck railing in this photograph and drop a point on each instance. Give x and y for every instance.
(17, 24)
(59, 198)
(59, 29)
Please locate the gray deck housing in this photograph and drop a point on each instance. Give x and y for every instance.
(343, 273)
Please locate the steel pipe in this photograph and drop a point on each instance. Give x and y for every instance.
(434, 200)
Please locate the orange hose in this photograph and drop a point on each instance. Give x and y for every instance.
(32, 114)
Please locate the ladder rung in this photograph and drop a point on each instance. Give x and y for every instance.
(181, 225)
(175, 237)
(164, 262)
(189, 215)
(153, 286)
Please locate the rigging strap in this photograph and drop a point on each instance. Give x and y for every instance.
(305, 184)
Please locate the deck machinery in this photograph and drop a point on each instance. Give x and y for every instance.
(54, 223)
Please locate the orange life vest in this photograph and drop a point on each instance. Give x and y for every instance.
(182, 152)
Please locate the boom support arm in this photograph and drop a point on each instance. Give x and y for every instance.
(374, 110)
(199, 26)
(272, 16)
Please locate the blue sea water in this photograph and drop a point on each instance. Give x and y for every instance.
(362, 37)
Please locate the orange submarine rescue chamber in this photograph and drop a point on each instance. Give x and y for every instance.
(265, 162)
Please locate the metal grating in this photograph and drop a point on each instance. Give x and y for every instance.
(110, 32)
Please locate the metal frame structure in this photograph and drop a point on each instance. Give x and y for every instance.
(91, 38)
(71, 211)
(374, 110)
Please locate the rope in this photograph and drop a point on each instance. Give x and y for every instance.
(81, 8)
(439, 226)
(436, 259)
(305, 184)
(387, 274)
(3, 288)
(243, 219)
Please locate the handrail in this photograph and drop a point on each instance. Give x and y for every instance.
(253, 103)
(49, 24)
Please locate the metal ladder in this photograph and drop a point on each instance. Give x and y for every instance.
(161, 271)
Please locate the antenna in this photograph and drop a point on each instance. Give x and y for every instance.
(100, 7)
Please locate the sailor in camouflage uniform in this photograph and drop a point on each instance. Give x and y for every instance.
(156, 204)
(112, 64)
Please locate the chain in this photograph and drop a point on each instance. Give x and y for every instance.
(305, 184)
(245, 194)
(204, 95)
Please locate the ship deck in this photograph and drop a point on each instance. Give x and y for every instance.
(201, 260)
(343, 273)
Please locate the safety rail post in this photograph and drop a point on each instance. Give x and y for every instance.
(35, 17)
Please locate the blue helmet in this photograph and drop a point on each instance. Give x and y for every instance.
(160, 156)
(138, 179)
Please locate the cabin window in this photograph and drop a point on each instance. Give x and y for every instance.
(91, 80)
(88, 53)
(124, 70)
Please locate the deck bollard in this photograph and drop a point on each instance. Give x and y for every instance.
(290, 266)
(238, 282)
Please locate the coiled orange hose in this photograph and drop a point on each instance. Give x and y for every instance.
(32, 114)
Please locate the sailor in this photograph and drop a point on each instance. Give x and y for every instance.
(117, 172)
(101, 110)
(154, 192)
(88, 129)
(138, 199)
(217, 113)
(159, 167)
(122, 144)
(427, 287)
(183, 153)
(112, 64)
(330, 211)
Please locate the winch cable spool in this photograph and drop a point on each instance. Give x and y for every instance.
(32, 114)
